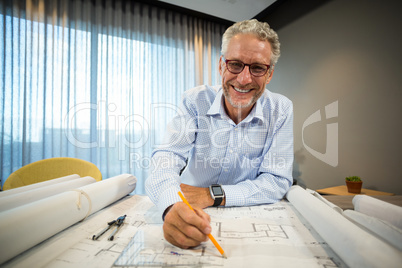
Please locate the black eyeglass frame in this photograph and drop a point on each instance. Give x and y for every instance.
(244, 65)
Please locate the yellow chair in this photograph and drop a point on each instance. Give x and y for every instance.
(51, 168)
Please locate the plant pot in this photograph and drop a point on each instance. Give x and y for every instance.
(354, 187)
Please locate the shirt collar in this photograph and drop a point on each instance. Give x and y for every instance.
(217, 105)
(258, 109)
(256, 112)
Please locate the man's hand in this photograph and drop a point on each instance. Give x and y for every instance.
(197, 196)
(184, 228)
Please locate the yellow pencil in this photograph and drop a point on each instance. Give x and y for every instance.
(209, 235)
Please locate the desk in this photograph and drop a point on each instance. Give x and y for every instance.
(343, 190)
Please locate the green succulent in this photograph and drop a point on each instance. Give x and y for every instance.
(353, 178)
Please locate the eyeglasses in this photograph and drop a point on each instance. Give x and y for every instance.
(256, 69)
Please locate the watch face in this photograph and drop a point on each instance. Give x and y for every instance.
(217, 190)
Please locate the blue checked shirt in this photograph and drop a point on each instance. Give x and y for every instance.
(252, 160)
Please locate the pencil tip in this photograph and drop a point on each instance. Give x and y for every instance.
(224, 255)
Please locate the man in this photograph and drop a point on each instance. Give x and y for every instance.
(234, 141)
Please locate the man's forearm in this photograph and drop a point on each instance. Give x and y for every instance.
(198, 196)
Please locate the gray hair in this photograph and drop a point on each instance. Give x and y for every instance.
(260, 29)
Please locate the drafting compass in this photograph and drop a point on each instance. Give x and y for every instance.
(115, 225)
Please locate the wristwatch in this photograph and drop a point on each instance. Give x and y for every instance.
(217, 194)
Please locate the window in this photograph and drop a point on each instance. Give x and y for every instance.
(96, 81)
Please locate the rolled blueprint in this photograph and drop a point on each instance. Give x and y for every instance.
(27, 225)
(19, 199)
(330, 204)
(382, 229)
(379, 209)
(356, 247)
(37, 185)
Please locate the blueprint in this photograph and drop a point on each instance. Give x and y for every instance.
(251, 236)
(258, 236)
(304, 231)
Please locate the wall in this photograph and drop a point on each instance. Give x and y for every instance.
(348, 54)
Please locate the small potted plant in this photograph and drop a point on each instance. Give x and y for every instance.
(354, 184)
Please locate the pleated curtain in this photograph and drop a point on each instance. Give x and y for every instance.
(96, 80)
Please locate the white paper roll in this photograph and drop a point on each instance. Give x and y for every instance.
(19, 199)
(330, 204)
(379, 209)
(383, 229)
(27, 225)
(37, 185)
(356, 247)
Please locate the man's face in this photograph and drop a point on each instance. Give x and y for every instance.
(242, 90)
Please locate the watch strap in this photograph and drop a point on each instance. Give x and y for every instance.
(217, 201)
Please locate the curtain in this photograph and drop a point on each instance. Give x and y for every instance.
(96, 80)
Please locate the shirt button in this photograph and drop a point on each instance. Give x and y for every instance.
(226, 170)
(230, 151)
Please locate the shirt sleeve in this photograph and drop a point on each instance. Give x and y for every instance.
(170, 158)
(274, 177)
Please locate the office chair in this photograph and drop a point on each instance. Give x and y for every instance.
(51, 168)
